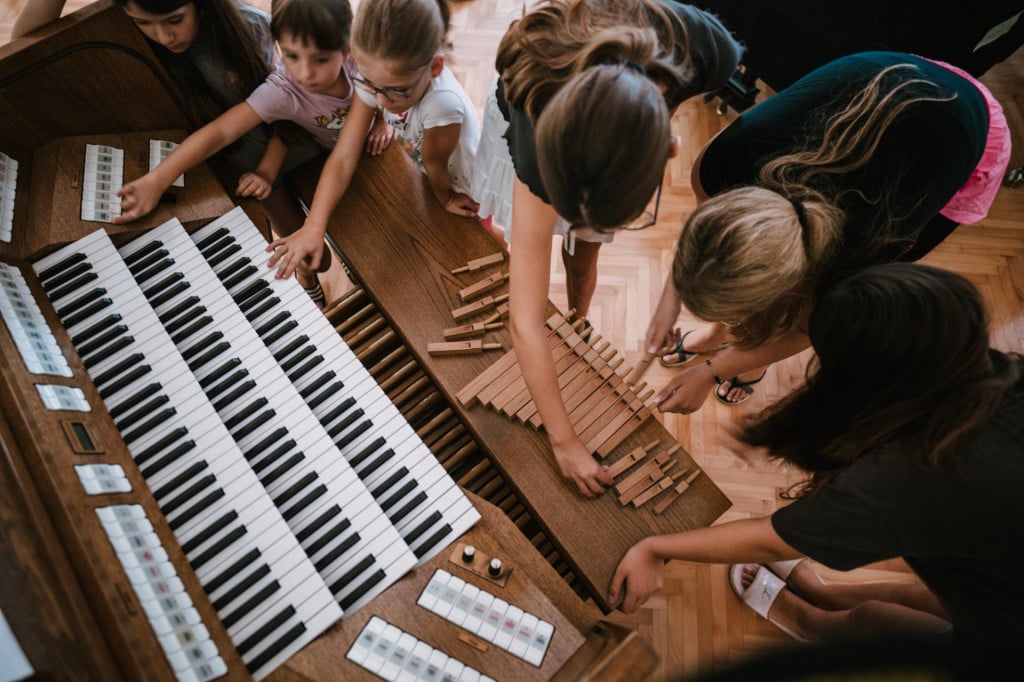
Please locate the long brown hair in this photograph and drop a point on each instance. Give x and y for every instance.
(231, 42)
(747, 254)
(381, 30)
(902, 356)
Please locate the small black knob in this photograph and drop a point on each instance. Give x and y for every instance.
(468, 553)
(494, 568)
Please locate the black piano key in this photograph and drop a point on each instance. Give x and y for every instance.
(363, 588)
(329, 536)
(295, 488)
(265, 444)
(215, 527)
(259, 310)
(404, 510)
(211, 238)
(111, 333)
(187, 495)
(374, 464)
(398, 496)
(201, 345)
(231, 572)
(350, 437)
(209, 355)
(172, 313)
(318, 523)
(219, 373)
(274, 336)
(231, 380)
(278, 453)
(169, 294)
(390, 481)
(126, 380)
(214, 247)
(218, 547)
(119, 368)
(241, 274)
(317, 384)
(61, 265)
(363, 454)
(276, 648)
(274, 623)
(245, 413)
(235, 395)
(200, 507)
(305, 502)
(179, 480)
(80, 302)
(306, 368)
(131, 401)
(280, 318)
(351, 574)
(143, 252)
(255, 424)
(167, 441)
(338, 550)
(253, 290)
(162, 266)
(328, 392)
(243, 585)
(192, 329)
(171, 457)
(58, 280)
(104, 353)
(86, 313)
(97, 328)
(163, 285)
(149, 424)
(172, 327)
(76, 285)
(246, 607)
(338, 410)
(424, 526)
(140, 413)
(139, 264)
(429, 543)
(349, 419)
(216, 259)
(292, 346)
(280, 471)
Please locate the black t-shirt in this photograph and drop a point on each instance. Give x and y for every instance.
(714, 55)
(928, 153)
(959, 529)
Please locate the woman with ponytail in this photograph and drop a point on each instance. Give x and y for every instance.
(875, 157)
(575, 140)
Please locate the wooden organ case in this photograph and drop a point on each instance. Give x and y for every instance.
(92, 78)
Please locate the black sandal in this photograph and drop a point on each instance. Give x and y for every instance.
(685, 356)
(734, 382)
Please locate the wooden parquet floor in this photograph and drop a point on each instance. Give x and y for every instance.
(696, 623)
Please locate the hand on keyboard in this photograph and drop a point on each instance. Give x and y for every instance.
(305, 246)
(138, 198)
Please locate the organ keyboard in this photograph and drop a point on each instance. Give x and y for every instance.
(81, 609)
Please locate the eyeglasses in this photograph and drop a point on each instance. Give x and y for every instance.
(649, 217)
(389, 94)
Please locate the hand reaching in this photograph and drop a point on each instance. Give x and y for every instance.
(641, 572)
(379, 137)
(305, 246)
(687, 391)
(138, 199)
(252, 184)
(461, 204)
(578, 465)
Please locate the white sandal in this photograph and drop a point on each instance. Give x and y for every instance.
(783, 568)
(761, 594)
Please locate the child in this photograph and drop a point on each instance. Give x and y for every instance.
(312, 88)
(403, 72)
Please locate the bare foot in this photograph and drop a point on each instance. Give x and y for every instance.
(788, 612)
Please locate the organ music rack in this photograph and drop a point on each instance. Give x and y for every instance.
(64, 594)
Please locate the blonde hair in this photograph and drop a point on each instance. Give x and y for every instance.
(746, 255)
(407, 32)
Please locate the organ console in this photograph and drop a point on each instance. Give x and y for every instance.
(203, 476)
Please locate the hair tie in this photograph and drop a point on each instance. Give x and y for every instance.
(629, 63)
(801, 213)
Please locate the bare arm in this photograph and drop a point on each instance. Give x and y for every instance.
(641, 571)
(260, 182)
(438, 145)
(530, 268)
(36, 13)
(139, 197)
(306, 245)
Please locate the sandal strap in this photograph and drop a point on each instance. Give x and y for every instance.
(718, 379)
